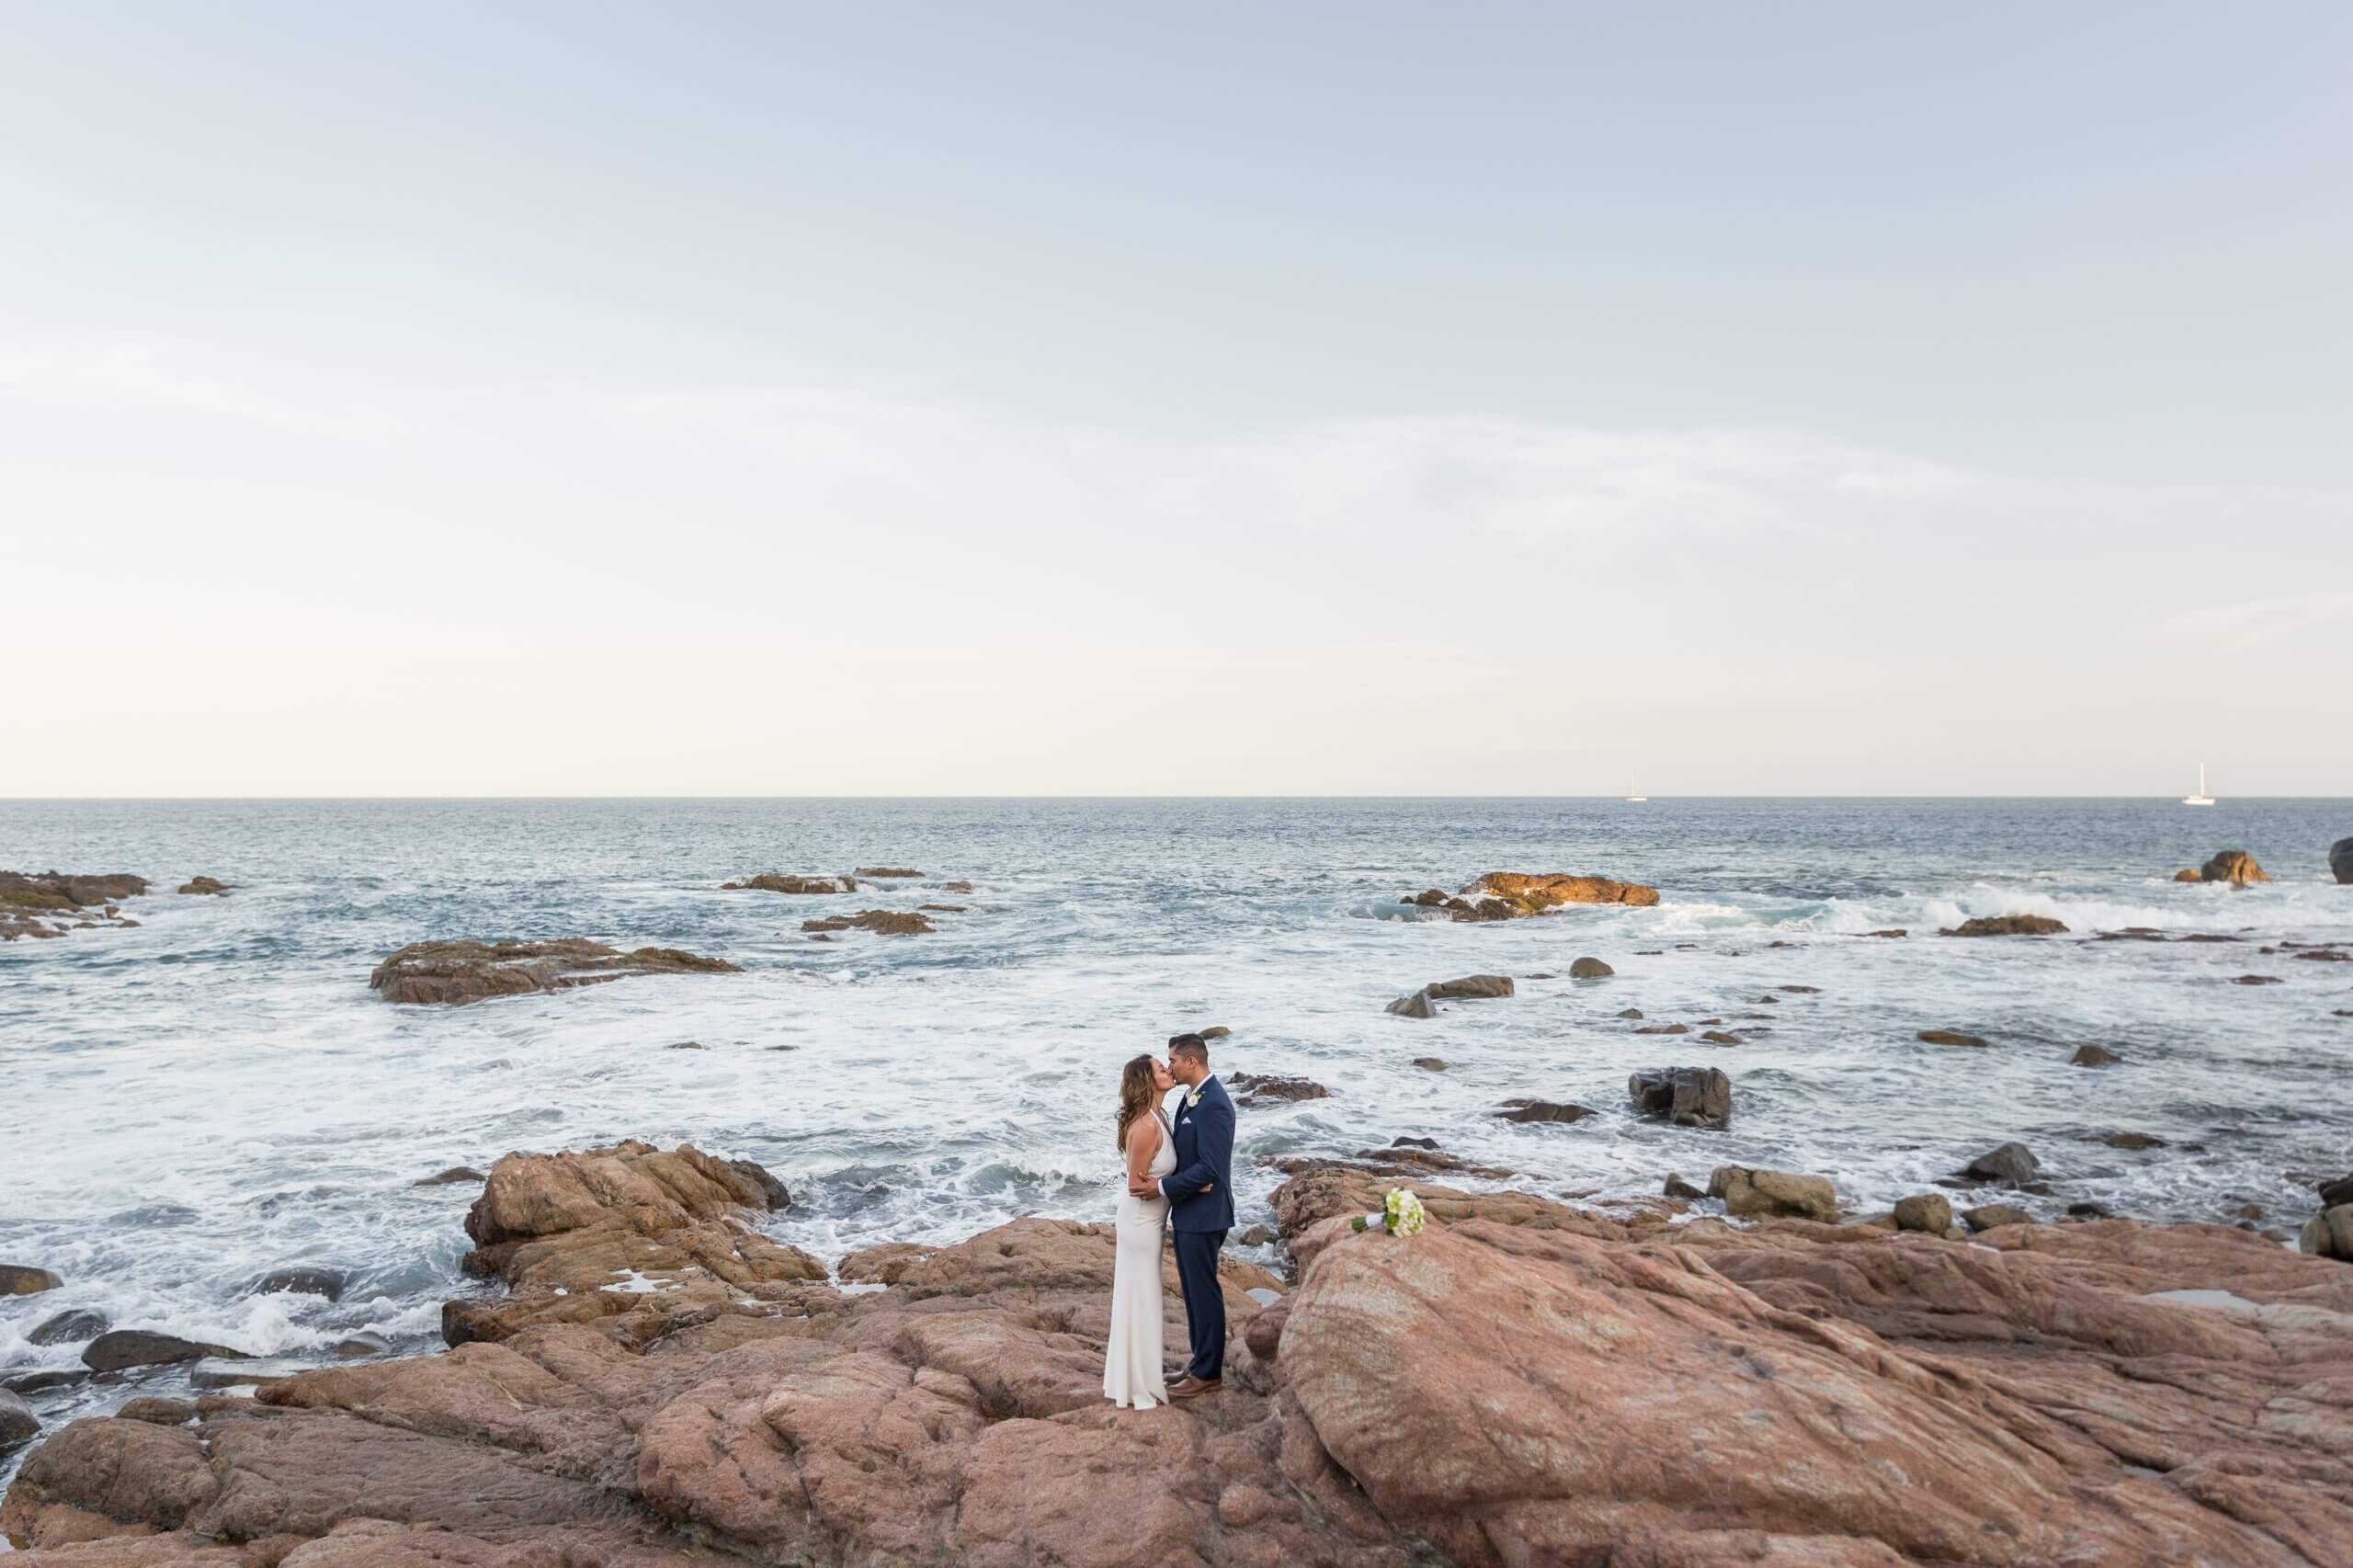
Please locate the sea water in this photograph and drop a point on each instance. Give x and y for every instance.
(217, 1092)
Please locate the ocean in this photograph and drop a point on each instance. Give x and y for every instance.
(217, 1092)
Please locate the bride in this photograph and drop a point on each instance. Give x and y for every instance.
(1132, 1367)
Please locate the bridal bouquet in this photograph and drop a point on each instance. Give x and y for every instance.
(1401, 1215)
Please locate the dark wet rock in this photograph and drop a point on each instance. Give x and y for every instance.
(1252, 1087)
(1893, 932)
(41, 1383)
(453, 1177)
(2235, 866)
(455, 973)
(1752, 1193)
(1949, 1037)
(69, 1328)
(124, 1348)
(777, 881)
(1664, 1028)
(1769, 1000)
(2093, 1056)
(2089, 1211)
(2012, 1162)
(1802, 990)
(1590, 969)
(1213, 1031)
(773, 1193)
(2333, 1193)
(955, 909)
(2008, 926)
(881, 922)
(1543, 1110)
(1257, 1236)
(2326, 955)
(1688, 1096)
(1418, 1005)
(685, 1045)
(956, 887)
(2132, 1140)
(1630, 1012)
(2340, 861)
(1720, 1037)
(1430, 1063)
(1678, 1187)
(890, 872)
(1992, 1216)
(19, 1425)
(1413, 1142)
(23, 1279)
(2257, 979)
(1928, 1211)
(1470, 988)
(205, 885)
(357, 1346)
(327, 1282)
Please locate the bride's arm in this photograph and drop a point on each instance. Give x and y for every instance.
(1144, 1143)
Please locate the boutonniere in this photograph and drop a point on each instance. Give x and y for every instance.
(1193, 1099)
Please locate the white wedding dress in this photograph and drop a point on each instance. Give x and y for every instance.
(1132, 1371)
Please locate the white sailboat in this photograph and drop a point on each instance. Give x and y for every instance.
(1634, 797)
(2201, 798)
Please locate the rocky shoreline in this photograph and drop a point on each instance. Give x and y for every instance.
(653, 1379)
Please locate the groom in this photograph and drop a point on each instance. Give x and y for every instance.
(1201, 1208)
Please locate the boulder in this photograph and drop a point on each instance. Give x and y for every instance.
(2008, 926)
(1720, 1037)
(455, 973)
(1470, 988)
(1590, 969)
(1430, 1063)
(1252, 1087)
(774, 1196)
(2093, 1056)
(2235, 866)
(2329, 1233)
(124, 1348)
(455, 1176)
(1678, 1187)
(205, 885)
(158, 1411)
(2187, 874)
(2012, 1162)
(1928, 1211)
(23, 1279)
(19, 1425)
(1629, 1013)
(1213, 1031)
(1988, 1216)
(1418, 1005)
(881, 922)
(1751, 1194)
(1689, 1097)
(1950, 1037)
(2333, 1193)
(1542, 1110)
(2340, 861)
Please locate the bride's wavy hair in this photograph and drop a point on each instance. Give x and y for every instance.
(1137, 1092)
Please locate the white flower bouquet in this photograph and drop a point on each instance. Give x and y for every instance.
(1401, 1215)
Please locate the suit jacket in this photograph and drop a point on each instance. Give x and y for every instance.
(1204, 1141)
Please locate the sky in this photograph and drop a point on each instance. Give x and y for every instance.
(770, 399)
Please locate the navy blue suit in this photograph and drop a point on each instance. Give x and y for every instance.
(1204, 1143)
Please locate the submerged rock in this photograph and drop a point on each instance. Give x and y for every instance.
(778, 881)
(212, 885)
(1689, 1097)
(881, 922)
(326, 1282)
(455, 973)
(1470, 988)
(69, 1328)
(1950, 1037)
(2008, 926)
(1250, 1087)
(453, 1177)
(1590, 969)
(2235, 866)
(2093, 1056)
(1543, 1110)
(1430, 1063)
(893, 872)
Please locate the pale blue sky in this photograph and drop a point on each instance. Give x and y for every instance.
(1224, 398)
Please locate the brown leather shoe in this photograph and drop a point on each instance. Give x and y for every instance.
(1193, 1387)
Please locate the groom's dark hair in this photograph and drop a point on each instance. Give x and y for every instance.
(1190, 1045)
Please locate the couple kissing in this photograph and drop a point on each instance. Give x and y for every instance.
(1179, 1181)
